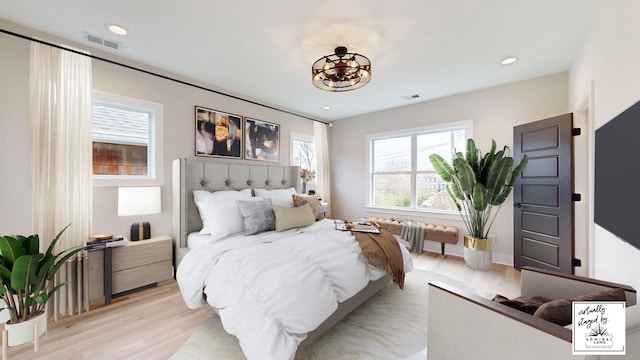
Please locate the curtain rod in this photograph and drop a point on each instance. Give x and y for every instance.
(160, 75)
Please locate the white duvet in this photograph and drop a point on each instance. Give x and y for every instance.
(271, 289)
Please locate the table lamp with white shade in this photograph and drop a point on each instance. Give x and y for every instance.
(139, 201)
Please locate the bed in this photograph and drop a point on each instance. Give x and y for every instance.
(197, 175)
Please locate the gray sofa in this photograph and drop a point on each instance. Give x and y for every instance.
(462, 325)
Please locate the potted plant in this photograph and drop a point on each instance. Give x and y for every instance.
(24, 277)
(478, 184)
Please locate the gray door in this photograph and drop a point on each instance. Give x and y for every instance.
(543, 207)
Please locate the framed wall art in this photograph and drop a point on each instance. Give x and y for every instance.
(262, 140)
(218, 134)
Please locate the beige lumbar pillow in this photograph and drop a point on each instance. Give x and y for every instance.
(289, 218)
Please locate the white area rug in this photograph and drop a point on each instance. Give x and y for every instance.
(391, 325)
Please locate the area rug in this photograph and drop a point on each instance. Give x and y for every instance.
(390, 325)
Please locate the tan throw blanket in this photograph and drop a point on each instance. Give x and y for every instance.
(383, 251)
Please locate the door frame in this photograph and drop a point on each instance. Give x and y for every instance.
(585, 119)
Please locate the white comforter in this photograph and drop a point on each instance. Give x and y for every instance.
(271, 289)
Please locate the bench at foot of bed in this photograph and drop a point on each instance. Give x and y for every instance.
(438, 233)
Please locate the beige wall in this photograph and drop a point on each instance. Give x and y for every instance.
(607, 72)
(15, 176)
(179, 128)
(494, 111)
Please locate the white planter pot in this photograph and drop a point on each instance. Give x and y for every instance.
(22, 332)
(477, 253)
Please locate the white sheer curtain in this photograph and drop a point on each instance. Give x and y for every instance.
(61, 163)
(323, 179)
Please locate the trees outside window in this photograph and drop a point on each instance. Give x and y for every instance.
(401, 175)
(303, 151)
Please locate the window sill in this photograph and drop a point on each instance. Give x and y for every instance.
(399, 212)
(116, 182)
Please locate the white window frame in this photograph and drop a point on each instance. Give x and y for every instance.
(410, 211)
(300, 137)
(155, 147)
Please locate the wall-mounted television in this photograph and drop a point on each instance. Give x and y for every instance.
(617, 176)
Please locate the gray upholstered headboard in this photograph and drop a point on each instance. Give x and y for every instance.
(195, 174)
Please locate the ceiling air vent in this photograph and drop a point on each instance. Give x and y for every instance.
(411, 97)
(102, 41)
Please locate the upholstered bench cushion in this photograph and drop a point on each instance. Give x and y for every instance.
(391, 225)
(441, 233)
(438, 233)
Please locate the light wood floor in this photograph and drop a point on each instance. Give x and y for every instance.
(154, 323)
(499, 279)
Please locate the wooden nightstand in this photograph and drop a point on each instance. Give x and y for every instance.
(135, 266)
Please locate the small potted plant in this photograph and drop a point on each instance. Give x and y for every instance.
(24, 276)
(478, 184)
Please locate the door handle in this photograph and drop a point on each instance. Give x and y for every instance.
(517, 205)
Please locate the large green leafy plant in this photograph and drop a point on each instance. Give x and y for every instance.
(478, 183)
(24, 273)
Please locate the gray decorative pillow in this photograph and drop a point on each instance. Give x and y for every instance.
(257, 216)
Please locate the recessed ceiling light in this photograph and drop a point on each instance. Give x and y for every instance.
(326, 107)
(119, 30)
(509, 60)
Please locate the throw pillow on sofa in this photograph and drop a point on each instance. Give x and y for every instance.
(526, 303)
(559, 311)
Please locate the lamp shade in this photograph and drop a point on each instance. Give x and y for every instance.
(139, 200)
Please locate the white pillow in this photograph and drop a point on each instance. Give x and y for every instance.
(219, 212)
(247, 191)
(280, 197)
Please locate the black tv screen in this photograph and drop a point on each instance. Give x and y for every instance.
(617, 176)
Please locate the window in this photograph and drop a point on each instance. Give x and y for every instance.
(401, 175)
(303, 151)
(126, 139)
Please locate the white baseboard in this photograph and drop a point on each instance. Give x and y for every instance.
(457, 250)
